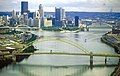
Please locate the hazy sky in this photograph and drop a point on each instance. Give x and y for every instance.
(68, 5)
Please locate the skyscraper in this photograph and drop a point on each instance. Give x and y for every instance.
(41, 15)
(14, 14)
(24, 7)
(76, 21)
(41, 12)
(59, 16)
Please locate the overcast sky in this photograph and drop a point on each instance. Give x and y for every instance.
(68, 5)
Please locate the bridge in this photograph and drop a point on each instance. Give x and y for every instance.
(91, 55)
(75, 44)
(96, 26)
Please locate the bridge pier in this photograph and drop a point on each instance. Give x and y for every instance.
(91, 60)
(13, 57)
(105, 60)
(87, 28)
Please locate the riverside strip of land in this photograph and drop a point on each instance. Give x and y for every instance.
(14, 41)
(114, 41)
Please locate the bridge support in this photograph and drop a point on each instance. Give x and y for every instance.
(87, 28)
(105, 60)
(91, 60)
(13, 57)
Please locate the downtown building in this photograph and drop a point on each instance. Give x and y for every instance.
(41, 16)
(76, 21)
(41, 12)
(24, 7)
(38, 17)
(23, 19)
(13, 21)
(59, 17)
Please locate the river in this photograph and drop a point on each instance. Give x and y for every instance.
(62, 65)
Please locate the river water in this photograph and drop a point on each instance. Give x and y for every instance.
(62, 65)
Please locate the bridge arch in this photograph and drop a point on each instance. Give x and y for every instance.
(64, 40)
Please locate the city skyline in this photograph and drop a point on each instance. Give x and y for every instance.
(68, 5)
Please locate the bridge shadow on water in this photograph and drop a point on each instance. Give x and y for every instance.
(51, 70)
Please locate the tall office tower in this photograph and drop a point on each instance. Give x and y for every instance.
(59, 16)
(41, 12)
(24, 7)
(76, 21)
(14, 14)
(41, 15)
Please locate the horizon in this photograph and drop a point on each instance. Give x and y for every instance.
(66, 11)
(68, 5)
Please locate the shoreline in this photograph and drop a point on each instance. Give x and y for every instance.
(113, 42)
(5, 61)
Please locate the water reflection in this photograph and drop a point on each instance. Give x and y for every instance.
(41, 70)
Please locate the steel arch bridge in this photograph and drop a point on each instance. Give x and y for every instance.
(86, 53)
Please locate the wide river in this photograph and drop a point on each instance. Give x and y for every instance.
(64, 65)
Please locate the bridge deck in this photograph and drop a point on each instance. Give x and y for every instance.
(61, 53)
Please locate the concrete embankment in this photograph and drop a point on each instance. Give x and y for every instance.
(114, 42)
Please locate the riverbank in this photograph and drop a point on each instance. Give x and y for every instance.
(15, 42)
(58, 29)
(114, 41)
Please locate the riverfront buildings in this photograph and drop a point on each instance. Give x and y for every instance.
(58, 19)
(38, 19)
